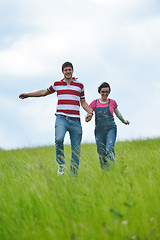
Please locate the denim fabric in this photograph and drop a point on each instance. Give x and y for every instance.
(62, 125)
(105, 135)
(105, 141)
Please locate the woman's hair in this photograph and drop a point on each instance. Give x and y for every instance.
(67, 64)
(104, 85)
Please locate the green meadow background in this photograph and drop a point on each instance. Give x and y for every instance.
(124, 203)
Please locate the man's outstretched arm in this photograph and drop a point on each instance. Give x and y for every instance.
(40, 93)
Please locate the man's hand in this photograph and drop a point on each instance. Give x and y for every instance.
(23, 95)
(88, 117)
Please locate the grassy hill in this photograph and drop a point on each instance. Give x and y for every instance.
(123, 203)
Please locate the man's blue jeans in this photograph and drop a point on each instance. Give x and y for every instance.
(105, 141)
(62, 125)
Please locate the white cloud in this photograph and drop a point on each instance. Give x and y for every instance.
(143, 37)
(106, 41)
(79, 38)
(26, 57)
(122, 3)
(115, 8)
(34, 55)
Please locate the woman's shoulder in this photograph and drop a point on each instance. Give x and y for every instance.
(92, 103)
(112, 101)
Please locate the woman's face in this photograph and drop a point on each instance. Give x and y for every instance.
(104, 93)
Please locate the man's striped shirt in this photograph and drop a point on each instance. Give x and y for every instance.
(68, 97)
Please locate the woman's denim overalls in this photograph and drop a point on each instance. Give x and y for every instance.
(105, 134)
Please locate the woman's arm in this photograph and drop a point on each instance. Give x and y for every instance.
(119, 115)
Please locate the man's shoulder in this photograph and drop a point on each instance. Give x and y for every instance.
(78, 83)
(59, 83)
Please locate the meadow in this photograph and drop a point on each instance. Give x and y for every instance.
(123, 203)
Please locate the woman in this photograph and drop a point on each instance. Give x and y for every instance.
(105, 127)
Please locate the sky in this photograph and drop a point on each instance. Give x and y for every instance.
(116, 41)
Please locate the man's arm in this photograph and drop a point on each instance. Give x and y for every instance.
(85, 106)
(40, 93)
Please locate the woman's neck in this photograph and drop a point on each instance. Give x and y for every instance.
(103, 100)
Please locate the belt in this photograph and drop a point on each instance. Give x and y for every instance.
(71, 118)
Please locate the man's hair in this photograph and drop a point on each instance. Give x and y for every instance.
(67, 64)
(104, 85)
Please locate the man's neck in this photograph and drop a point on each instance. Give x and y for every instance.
(69, 80)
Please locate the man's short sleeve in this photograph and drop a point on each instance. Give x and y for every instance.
(82, 93)
(51, 89)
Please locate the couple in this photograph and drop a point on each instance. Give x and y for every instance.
(70, 93)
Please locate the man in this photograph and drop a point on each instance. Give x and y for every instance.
(70, 93)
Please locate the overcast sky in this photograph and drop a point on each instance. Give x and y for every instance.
(117, 41)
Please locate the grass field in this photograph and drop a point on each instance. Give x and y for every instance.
(124, 203)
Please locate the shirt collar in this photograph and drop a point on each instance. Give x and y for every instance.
(73, 79)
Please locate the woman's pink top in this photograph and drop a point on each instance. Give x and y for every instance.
(113, 105)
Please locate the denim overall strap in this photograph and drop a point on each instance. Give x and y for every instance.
(96, 104)
(109, 102)
(103, 116)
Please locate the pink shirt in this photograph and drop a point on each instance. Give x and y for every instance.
(113, 105)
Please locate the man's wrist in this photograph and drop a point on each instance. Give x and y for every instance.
(91, 113)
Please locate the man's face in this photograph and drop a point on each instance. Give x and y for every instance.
(67, 71)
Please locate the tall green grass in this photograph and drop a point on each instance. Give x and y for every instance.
(123, 203)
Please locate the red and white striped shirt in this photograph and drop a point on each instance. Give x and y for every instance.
(68, 97)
